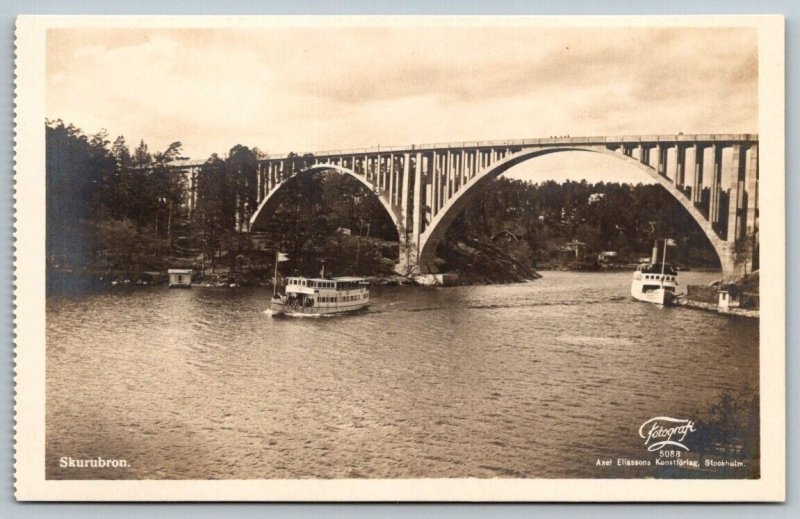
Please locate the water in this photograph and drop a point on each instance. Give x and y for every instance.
(536, 379)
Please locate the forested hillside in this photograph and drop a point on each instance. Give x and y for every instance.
(121, 211)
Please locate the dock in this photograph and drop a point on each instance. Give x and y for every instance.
(682, 300)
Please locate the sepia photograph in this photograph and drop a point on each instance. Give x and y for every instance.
(362, 249)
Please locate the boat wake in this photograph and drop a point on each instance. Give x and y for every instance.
(519, 304)
(298, 314)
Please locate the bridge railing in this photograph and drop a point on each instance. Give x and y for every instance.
(585, 141)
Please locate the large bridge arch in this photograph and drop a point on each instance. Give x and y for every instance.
(269, 203)
(436, 229)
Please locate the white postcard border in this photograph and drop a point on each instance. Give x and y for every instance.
(30, 296)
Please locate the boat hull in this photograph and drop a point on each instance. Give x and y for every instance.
(278, 309)
(660, 296)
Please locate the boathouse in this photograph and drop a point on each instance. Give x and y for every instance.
(728, 298)
(180, 278)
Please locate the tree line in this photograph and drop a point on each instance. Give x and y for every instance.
(116, 207)
(113, 206)
(544, 217)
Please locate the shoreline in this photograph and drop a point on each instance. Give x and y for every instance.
(683, 302)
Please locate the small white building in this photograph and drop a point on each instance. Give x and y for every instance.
(180, 278)
(728, 299)
(608, 256)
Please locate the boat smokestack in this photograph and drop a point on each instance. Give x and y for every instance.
(654, 260)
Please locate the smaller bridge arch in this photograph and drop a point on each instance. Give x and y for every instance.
(267, 206)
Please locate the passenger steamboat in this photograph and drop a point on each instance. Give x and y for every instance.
(653, 282)
(320, 296)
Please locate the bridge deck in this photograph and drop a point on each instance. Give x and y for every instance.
(549, 141)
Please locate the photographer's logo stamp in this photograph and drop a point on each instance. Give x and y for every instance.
(663, 431)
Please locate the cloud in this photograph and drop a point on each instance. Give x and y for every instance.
(328, 87)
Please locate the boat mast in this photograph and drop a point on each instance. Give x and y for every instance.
(275, 276)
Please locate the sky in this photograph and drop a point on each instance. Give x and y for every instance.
(315, 88)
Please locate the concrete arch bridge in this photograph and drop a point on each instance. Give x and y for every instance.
(424, 187)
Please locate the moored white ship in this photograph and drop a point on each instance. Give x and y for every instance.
(652, 285)
(655, 282)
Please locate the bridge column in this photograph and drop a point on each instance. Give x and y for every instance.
(269, 180)
(383, 167)
(418, 196)
(427, 208)
(736, 176)
(405, 256)
(751, 181)
(430, 183)
(642, 152)
(455, 157)
(452, 171)
(372, 163)
(377, 173)
(456, 172)
(448, 174)
(434, 184)
(390, 172)
(400, 179)
(661, 160)
(260, 182)
(680, 166)
(394, 181)
(697, 181)
(439, 170)
(748, 246)
(462, 169)
(716, 178)
(366, 170)
(442, 176)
